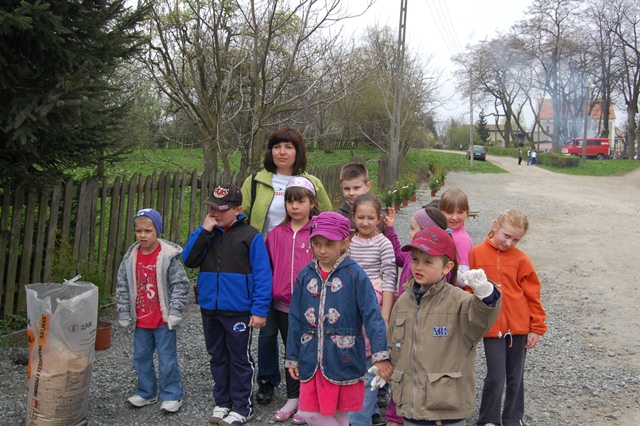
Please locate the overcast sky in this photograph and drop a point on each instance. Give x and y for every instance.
(443, 28)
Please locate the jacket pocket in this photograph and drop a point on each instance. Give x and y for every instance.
(443, 390)
(396, 385)
(397, 335)
(344, 342)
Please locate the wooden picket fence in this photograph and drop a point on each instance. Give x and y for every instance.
(90, 224)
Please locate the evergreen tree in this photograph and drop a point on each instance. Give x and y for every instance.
(59, 105)
(482, 129)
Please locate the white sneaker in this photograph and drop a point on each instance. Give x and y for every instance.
(218, 414)
(233, 419)
(138, 401)
(171, 406)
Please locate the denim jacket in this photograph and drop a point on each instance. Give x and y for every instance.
(325, 323)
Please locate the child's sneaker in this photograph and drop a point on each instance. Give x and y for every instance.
(233, 419)
(171, 406)
(218, 414)
(138, 401)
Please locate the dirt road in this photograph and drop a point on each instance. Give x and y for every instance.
(584, 240)
(586, 232)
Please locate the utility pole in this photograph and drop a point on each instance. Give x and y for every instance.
(587, 107)
(471, 150)
(394, 148)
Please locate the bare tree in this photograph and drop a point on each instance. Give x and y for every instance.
(496, 68)
(625, 24)
(240, 67)
(366, 110)
(547, 35)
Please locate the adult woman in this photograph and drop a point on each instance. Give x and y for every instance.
(263, 203)
(286, 157)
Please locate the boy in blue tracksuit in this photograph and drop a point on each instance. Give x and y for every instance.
(234, 293)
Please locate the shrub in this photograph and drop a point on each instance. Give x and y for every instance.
(560, 161)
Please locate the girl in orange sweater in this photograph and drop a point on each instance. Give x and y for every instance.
(520, 323)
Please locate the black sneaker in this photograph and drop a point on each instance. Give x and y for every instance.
(383, 400)
(378, 420)
(265, 392)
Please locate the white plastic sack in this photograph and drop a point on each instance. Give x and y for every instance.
(61, 325)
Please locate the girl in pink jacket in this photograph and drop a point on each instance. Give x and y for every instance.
(289, 251)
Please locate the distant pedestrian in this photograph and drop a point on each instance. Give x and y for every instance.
(519, 157)
(529, 157)
(534, 157)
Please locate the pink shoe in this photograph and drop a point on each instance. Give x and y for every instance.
(283, 416)
(297, 420)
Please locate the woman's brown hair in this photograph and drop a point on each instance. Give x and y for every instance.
(287, 134)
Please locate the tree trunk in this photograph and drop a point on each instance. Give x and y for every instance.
(632, 111)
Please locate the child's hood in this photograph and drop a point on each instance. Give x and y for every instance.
(168, 248)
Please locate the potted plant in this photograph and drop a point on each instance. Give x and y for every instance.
(387, 199)
(434, 186)
(412, 192)
(406, 194)
(397, 199)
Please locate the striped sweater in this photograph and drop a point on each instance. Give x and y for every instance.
(377, 258)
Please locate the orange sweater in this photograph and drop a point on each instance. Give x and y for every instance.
(513, 272)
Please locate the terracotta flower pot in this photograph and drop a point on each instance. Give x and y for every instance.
(405, 203)
(103, 336)
(433, 193)
(396, 207)
(413, 198)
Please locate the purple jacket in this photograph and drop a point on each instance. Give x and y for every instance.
(289, 253)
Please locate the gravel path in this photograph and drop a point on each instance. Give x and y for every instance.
(570, 378)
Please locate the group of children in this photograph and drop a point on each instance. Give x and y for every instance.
(349, 324)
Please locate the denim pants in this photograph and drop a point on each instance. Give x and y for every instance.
(268, 350)
(370, 406)
(145, 342)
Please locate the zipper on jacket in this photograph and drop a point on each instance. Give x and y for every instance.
(414, 356)
(293, 256)
(218, 256)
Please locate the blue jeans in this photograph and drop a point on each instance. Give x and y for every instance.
(268, 350)
(145, 342)
(370, 406)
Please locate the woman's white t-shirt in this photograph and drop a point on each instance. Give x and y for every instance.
(277, 210)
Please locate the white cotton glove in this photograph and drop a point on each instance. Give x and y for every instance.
(174, 321)
(377, 381)
(476, 279)
(124, 323)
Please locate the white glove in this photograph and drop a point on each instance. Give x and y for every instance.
(124, 323)
(174, 321)
(476, 279)
(377, 381)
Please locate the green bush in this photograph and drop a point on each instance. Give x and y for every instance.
(560, 161)
(505, 152)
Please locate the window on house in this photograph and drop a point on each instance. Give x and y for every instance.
(546, 129)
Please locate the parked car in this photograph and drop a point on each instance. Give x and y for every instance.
(478, 153)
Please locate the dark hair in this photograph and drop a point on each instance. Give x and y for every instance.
(367, 198)
(287, 134)
(441, 220)
(298, 193)
(437, 216)
(354, 170)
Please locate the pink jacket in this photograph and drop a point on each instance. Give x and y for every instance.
(289, 253)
